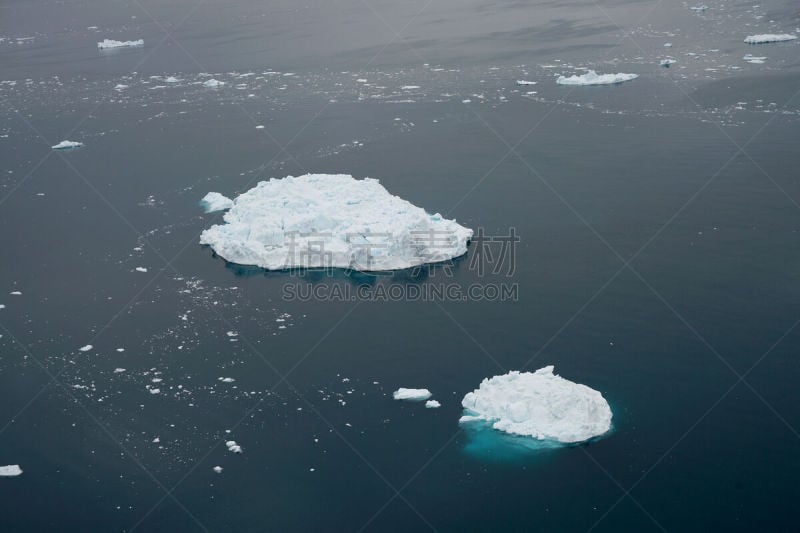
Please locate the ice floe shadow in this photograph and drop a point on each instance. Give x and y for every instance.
(488, 444)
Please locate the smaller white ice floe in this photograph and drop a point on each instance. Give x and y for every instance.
(260, 127)
(667, 45)
(755, 60)
(769, 38)
(538, 404)
(119, 370)
(414, 395)
(120, 87)
(667, 62)
(233, 447)
(593, 78)
(15, 293)
(10, 471)
(155, 391)
(226, 380)
(217, 469)
(213, 83)
(432, 404)
(141, 269)
(700, 8)
(215, 201)
(526, 82)
(409, 87)
(86, 348)
(110, 43)
(66, 145)
(172, 79)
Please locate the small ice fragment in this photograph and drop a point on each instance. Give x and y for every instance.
(10, 471)
(212, 83)
(66, 145)
(593, 78)
(86, 348)
(769, 38)
(227, 380)
(119, 370)
(432, 404)
(15, 293)
(260, 127)
(667, 62)
(141, 269)
(215, 201)
(414, 395)
(526, 82)
(172, 79)
(155, 391)
(233, 447)
(110, 43)
(217, 469)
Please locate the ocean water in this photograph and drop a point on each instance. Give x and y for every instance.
(657, 262)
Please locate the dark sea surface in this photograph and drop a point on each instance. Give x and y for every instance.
(658, 262)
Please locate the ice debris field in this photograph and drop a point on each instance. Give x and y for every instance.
(326, 220)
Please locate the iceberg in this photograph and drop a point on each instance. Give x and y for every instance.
(432, 404)
(212, 83)
(538, 404)
(769, 38)
(215, 201)
(593, 78)
(332, 221)
(66, 145)
(413, 395)
(10, 471)
(110, 43)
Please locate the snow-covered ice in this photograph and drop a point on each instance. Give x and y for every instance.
(65, 145)
(140, 269)
(538, 404)
(432, 404)
(414, 395)
(593, 78)
(86, 348)
(10, 470)
(667, 62)
(769, 38)
(233, 447)
(215, 201)
(217, 469)
(526, 82)
(110, 43)
(325, 220)
(213, 83)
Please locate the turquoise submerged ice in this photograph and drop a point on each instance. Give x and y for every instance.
(332, 220)
(538, 404)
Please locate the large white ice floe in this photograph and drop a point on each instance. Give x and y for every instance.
(10, 470)
(593, 78)
(769, 38)
(215, 201)
(337, 221)
(538, 404)
(66, 145)
(110, 43)
(413, 395)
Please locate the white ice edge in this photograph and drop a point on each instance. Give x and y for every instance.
(10, 471)
(593, 78)
(769, 38)
(413, 395)
(65, 145)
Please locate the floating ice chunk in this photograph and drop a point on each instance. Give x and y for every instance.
(525, 82)
(110, 43)
(155, 391)
(213, 83)
(769, 38)
(755, 60)
(120, 87)
(10, 471)
(86, 348)
(226, 380)
(409, 87)
(667, 62)
(66, 145)
(667, 45)
(593, 78)
(15, 293)
(414, 395)
(141, 269)
(119, 370)
(323, 220)
(260, 127)
(700, 8)
(172, 79)
(233, 447)
(217, 469)
(432, 404)
(538, 404)
(215, 201)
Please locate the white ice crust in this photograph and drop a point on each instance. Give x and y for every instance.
(10, 470)
(769, 38)
(538, 404)
(110, 43)
(327, 220)
(215, 201)
(593, 78)
(414, 395)
(64, 145)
